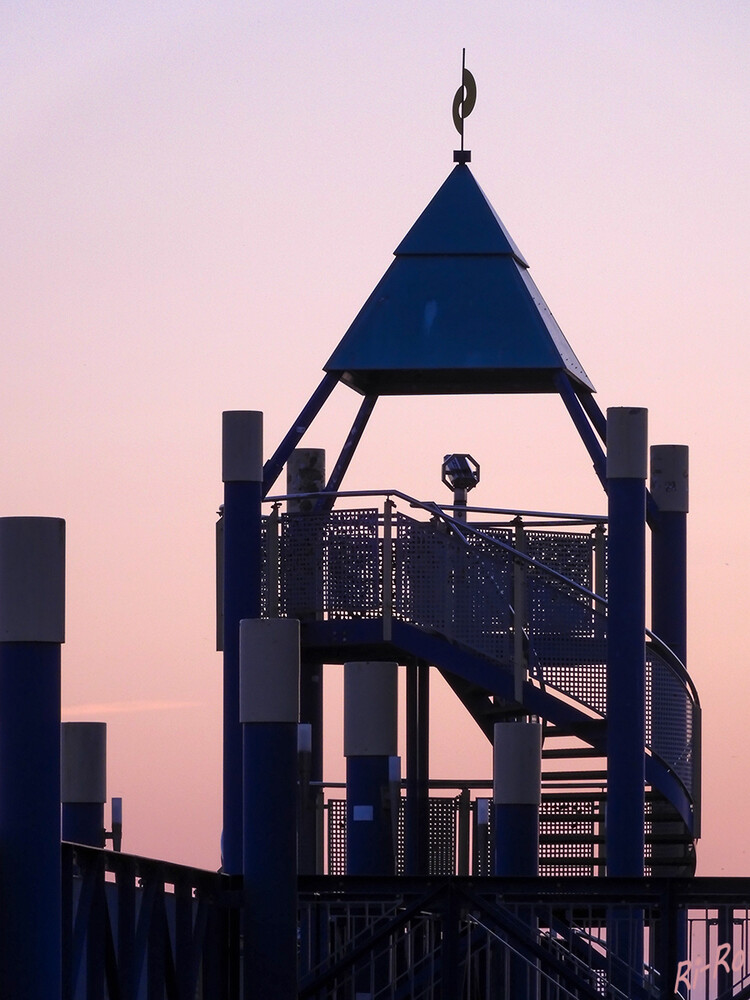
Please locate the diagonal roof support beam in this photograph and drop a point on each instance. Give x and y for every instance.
(347, 454)
(274, 465)
(583, 426)
(593, 412)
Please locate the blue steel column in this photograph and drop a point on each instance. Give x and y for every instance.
(269, 712)
(626, 679)
(517, 794)
(517, 777)
(626, 624)
(370, 743)
(242, 472)
(83, 781)
(669, 488)
(32, 627)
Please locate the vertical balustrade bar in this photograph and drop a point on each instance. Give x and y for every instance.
(242, 472)
(32, 628)
(388, 507)
(520, 612)
(272, 566)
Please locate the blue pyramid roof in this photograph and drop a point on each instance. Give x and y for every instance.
(456, 312)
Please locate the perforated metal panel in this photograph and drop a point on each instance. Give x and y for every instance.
(481, 837)
(569, 832)
(461, 592)
(670, 718)
(443, 814)
(336, 836)
(352, 565)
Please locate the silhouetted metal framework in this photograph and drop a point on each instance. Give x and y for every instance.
(137, 928)
(524, 617)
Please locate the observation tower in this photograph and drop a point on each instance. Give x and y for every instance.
(570, 872)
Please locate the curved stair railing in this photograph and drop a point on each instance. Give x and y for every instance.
(518, 595)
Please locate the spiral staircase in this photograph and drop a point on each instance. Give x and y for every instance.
(509, 617)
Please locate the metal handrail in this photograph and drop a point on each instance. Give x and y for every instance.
(433, 504)
(459, 526)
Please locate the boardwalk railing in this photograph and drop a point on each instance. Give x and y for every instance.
(138, 929)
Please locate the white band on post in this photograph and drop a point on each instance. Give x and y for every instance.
(627, 442)
(517, 763)
(32, 579)
(370, 709)
(242, 446)
(83, 762)
(269, 670)
(669, 477)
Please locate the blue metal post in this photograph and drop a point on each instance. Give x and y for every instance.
(626, 678)
(517, 794)
(32, 627)
(370, 743)
(269, 711)
(242, 472)
(517, 775)
(83, 781)
(669, 488)
(626, 624)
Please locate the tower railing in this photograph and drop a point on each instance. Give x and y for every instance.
(516, 587)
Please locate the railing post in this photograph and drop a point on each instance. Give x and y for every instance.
(464, 826)
(32, 628)
(482, 846)
(272, 565)
(388, 508)
(600, 573)
(520, 612)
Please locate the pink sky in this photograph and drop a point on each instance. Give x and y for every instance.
(196, 203)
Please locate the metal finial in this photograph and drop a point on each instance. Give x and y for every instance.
(463, 105)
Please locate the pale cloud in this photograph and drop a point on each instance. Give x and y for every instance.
(121, 707)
